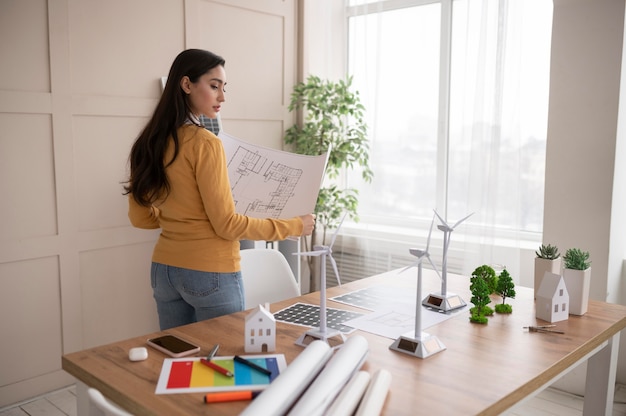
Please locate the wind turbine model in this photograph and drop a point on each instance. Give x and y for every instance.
(443, 300)
(422, 344)
(323, 332)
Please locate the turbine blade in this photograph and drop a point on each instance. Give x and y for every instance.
(430, 233)
(334, 263)
(461, 220)
(408, 267)
(332, 241)
(435, 267)
(441, 219)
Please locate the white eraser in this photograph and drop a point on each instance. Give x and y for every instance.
(138, 354)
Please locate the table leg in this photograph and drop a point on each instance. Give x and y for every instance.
(600, 381)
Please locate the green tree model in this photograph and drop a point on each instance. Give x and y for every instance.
(480, 299)
(506, 289)
(488, 274)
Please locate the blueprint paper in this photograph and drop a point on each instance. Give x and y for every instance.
(396, 320)
(270, 183)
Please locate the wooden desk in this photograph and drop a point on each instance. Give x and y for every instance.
(486, 369)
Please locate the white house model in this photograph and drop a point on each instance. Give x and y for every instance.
(260, 330)
(552, 303)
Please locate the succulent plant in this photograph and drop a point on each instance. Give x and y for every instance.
(548, 252)
(576, 259)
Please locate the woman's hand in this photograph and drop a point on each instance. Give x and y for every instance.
(308, 222)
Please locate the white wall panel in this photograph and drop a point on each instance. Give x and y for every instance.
(258, 44)
(254, 83)
(30, 307)
(116, 294)
(24, 65)
(102, 146)
(28, 205)
(261, 132)
(78, 80)
(119, 47)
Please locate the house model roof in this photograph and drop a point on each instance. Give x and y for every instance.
(260, 310)
(549, 285)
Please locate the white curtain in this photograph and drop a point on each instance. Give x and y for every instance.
(499, 110)
(475, 144)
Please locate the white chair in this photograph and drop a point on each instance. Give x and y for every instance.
(100, 405)
(267, 277)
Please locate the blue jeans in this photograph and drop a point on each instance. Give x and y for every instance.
(184, 296)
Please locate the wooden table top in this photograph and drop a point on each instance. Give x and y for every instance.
(485, 369)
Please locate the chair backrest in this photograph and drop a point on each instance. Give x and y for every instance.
(103, 405)
(267, 277)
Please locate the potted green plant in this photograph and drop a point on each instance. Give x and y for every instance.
(548, 260)
(577, 277)
(332, 119)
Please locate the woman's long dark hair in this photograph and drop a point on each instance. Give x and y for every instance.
(148, 180)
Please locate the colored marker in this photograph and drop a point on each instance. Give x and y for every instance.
(216, 367)
(230, 396)
(252, 365)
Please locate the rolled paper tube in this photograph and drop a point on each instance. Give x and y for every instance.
(285, 389)
(375, 395)
(337, 372)
(346, 403)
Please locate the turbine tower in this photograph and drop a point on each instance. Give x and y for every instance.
(443, 300)
(421, 344)
(328, 335)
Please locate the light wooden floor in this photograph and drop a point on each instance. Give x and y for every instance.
(550, 402)
(57, 403)
(553, 402)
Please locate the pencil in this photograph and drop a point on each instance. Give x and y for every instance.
(216, 367)
(213, 352)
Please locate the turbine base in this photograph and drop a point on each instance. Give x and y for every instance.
(422, 347)
(332, 337)
(444, 303)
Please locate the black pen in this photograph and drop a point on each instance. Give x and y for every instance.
(252, 365)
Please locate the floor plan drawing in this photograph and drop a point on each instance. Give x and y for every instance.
(270, 201)
(270, 183)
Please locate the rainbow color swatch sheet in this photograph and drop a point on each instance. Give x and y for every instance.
(190, 375)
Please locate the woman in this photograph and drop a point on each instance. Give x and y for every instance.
(179, 183)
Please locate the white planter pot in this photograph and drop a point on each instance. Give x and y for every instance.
(578, 283)
(542, 266)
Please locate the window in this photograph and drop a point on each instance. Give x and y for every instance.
(456, 94)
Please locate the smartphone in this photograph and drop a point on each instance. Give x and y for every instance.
(173, 346)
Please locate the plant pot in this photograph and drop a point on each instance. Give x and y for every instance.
(545, 265)
(578, 283)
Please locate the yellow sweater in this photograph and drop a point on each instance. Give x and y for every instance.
(199, 227)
